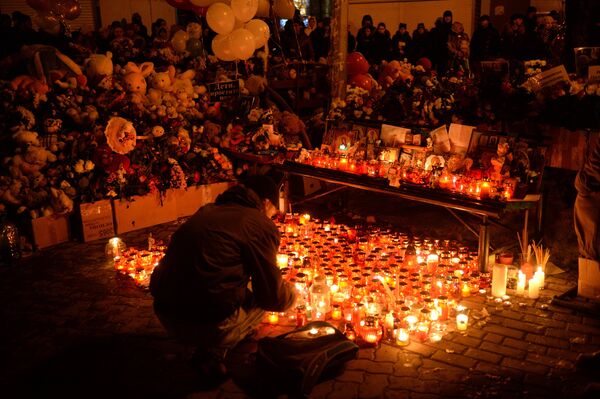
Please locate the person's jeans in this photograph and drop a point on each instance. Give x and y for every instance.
(587, 220)
(214, 338)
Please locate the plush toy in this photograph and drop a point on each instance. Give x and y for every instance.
(160, 83)
(457, 162)
(212, 132)
(260, 139)
(83, 117)
(393, 71)
(134, 79)
(26, 138)
(256, 85)
(61, 203)
(99, 70)
(290, 124)
(29, 87)
(30, 163)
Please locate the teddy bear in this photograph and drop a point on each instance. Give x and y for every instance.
(160, 84)
(212, 133)
(97, 66)
(255, 85)
(183, 89)
(60, 201)
(83, 117)
(392, 71)
(134, 79)
(26, 138)
(290, 124)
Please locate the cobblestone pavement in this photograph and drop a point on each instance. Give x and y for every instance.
(72, 327)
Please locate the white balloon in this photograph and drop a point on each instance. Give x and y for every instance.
(202, 3)
(238, 24)
(220, 18)
(244, 10)
(260, 32)
(284, 8)
(263, 9)
(221, 46)
(242, 43)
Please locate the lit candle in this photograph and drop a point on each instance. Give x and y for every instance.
(462, 321)
(343, 163)
(465, 290)
(389, 321)
(273, 318)
(499, 278)
(371, 337)
(534, 288)
(282, 260)
(434, 315)
(313, 331)
(402, 337)
(485, 189)
(412, 321)
(540, 276)
(521, 282)
(422, 331)
(336, 312)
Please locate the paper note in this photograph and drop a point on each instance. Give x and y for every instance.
(547, 78)
(460, 137)
(441, 140)
(393, 136)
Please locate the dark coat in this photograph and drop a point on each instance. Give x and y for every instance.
(485, 44)
(215, 254)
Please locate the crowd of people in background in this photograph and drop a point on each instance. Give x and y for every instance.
(446, 44)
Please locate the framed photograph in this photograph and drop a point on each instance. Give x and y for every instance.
(360, 132)
(394, 136)
(372, 135)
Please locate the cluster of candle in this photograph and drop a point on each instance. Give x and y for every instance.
(377, 283)
(138, 263)
(536, 283)
(461, 184)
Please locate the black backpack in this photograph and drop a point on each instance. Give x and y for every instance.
(299, 359)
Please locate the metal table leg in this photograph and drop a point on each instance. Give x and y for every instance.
(484, 244)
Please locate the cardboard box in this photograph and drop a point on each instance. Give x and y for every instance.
(588, 285)
(50, 230)
(188, 201)
(97, 220)
(142, 212)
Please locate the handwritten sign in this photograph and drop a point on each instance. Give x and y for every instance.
(222, 90)
(97, 220)
(594, 74)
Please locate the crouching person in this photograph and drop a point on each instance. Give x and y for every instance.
(219, 274)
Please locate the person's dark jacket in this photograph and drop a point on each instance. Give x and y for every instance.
(400, 52)
(211, 258)
(485, 44)
(320, 42)
(418, 48)
(382, 45)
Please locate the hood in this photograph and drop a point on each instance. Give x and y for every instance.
(240, 195)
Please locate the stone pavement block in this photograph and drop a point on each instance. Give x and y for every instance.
(520, 325)
(405, 370)
(320, 391)
(451, 389)
(563, 364)
(387, 353)
(497, 370)
(547, 341)
(356, 376)
(467, 341)
(544, 320)
(373, 386)
(511, 314)
(483, 355)
(525, 366)
(413, 385)
(344, 390)
(562, 354)
(419, 348)
(370, 366)
(367, 353)
(525, 346)
(583, 328)
(395, 394)
(495, 338)
(502, 350)
(446, 345)
(507, 332)
(562, 333)
(453, 359)
(433, 370)
(475, 333)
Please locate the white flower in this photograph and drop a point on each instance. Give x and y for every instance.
(89, 165)
(79, 166)
(120, 135)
